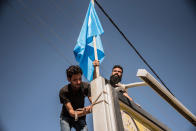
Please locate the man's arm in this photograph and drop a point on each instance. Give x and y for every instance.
(126, 94)
(90, 99)
(80, 113)
(89, 108)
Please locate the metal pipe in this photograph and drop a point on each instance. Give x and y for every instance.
(165, 94)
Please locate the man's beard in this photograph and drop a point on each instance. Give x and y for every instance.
(115, 79)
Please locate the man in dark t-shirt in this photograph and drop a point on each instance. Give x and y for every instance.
(72, 97)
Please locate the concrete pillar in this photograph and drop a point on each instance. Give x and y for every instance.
(106, 113)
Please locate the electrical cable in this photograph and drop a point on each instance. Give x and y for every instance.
(36, 30)
(137, 52)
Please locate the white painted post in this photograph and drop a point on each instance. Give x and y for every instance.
(104, 117)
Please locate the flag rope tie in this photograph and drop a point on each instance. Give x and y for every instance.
(96, 101)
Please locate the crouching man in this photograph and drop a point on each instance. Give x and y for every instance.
(72, 96)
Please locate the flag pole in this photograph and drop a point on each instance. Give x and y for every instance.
(95, 53)
(96, 57)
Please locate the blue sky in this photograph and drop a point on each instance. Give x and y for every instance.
(37, 39)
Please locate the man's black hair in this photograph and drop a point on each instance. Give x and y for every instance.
(73, 70)
(117, 66)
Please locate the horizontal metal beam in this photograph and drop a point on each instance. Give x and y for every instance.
(135, 84)
(165, 94)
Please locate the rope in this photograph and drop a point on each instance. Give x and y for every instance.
(131, 45)
(96, 101)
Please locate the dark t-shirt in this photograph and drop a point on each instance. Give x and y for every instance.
(75, 97)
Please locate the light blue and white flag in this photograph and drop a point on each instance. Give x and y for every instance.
(84, 49)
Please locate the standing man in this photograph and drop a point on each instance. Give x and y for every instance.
(115, 77)
(72, 97)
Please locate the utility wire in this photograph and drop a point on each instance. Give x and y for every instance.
(40, 20)
(137, 52)
(37, 30)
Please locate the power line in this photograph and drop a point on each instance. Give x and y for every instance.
(137, 52)
(41, 20)
(37, 30)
